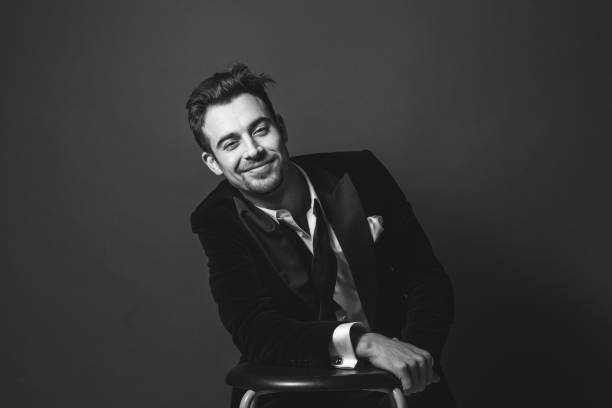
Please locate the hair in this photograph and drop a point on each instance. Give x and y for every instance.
(222, 88)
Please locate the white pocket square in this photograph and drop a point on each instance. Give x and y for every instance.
(376, 226)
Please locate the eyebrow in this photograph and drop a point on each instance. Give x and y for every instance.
(251, 127)
(257, 122)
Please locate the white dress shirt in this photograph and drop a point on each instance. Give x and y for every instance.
(345, 295)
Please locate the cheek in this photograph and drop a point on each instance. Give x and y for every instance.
(227, 164)
(278, 148)
(273, 142)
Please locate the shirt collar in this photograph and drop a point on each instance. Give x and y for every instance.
(275, 214)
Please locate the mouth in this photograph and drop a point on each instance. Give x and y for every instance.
(260, 166)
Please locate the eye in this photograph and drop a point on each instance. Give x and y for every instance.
(230, 145)
(261, 131)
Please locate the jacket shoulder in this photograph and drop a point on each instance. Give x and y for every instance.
(217, 207)
(338, 162)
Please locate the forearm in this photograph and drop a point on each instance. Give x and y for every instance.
(265, 336)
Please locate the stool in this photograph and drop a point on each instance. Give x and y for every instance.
(259, 380)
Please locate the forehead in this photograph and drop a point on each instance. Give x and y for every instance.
(233, 117)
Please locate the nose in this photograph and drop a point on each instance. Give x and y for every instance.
(252, 149)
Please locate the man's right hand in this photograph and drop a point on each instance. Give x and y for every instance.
(412, 365)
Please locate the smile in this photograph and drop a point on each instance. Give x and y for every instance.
(260, 167)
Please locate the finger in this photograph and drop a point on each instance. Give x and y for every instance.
(424, 372)
(429, 367)
(416, 375)
(436, 377)
(406, 382)
(422, 359)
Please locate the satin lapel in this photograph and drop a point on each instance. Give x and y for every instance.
(347, 217)
(283, 249)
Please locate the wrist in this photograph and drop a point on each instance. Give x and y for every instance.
(365, 345)
(357, 330)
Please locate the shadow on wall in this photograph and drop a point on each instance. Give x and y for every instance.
(527, 333)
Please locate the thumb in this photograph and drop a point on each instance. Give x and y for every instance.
(435, 378)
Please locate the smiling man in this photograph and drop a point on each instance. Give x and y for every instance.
(314, 260)
(249, 147)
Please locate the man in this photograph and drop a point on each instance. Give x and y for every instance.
(315, 260)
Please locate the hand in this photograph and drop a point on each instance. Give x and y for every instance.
(412, 365)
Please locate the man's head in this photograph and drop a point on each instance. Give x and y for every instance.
(235, 124)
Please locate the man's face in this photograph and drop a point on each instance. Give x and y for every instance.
(247, 144)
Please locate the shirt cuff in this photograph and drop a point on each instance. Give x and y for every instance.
(341, 352)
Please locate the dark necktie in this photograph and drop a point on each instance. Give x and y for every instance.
(323, 267)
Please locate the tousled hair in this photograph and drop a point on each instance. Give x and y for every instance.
(222, 88)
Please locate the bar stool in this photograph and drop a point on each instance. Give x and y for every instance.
(259, 380)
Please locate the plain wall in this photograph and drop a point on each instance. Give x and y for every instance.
(491, 116)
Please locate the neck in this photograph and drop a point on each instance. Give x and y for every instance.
(291, 195)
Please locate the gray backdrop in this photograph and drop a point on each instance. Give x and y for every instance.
(489, 114)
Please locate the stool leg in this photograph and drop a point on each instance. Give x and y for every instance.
(397, 398)
(247, 399)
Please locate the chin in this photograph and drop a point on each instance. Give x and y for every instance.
(266, 186)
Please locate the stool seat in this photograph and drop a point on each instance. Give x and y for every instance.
(274, 378)
(259, 380)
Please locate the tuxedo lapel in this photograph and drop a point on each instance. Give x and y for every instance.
(288, 255)
(290, 260)
(346, 215)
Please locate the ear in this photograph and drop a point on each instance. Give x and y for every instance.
(280, 122)
(211, 163)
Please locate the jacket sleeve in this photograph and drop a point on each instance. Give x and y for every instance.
(246, 307)
(425, 285)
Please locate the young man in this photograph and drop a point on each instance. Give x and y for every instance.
(314, 260)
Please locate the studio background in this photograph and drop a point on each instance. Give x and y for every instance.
(490, 115)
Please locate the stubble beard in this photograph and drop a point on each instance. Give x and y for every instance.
(263, 186)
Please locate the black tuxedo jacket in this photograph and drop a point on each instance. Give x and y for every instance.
(253, 263)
